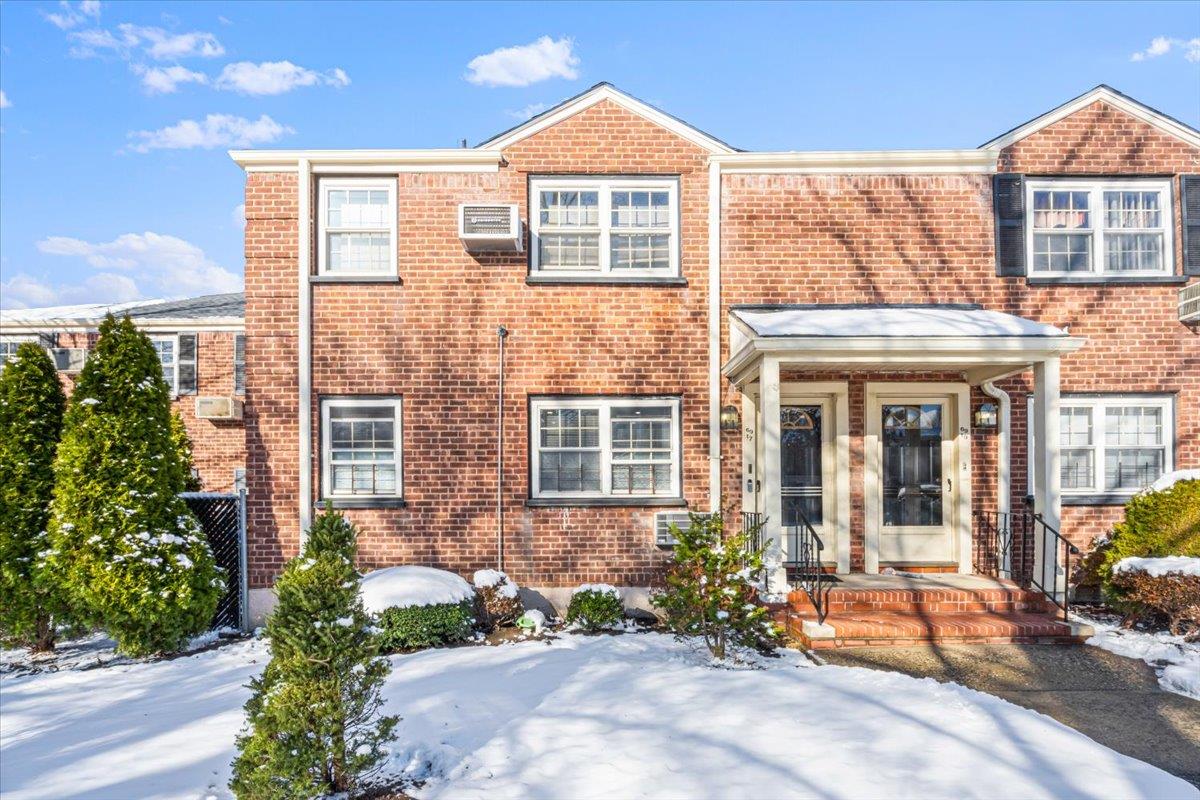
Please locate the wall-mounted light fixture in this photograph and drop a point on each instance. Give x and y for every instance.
(731, 419)
(985, 416)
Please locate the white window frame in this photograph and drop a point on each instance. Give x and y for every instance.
(17, 339)
(604, 186)
(397, 405)
(324, 186)
(1099, 403)
(604, 404)
(239, 392)
(1098, 230)
(174, 387)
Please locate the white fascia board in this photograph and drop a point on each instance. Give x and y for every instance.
(632, 104)
(449, 159)
(874, 162)
(1134, 109)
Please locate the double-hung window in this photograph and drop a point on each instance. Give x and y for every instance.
(357, 227)
(360, 454)
(605, 228)
(605, 447)
(1113, 444)
(9, 345)
(1099, 228)
(167, 348)
(239, 363)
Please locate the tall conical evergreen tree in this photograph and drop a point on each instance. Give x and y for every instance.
(124, 549)
(313, 725)
(183, 445)
(31, 418)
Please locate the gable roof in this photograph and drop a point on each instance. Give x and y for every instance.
(207, 310)
(1152, 116)
(606, 91)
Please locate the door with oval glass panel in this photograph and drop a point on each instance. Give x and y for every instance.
(807, 473)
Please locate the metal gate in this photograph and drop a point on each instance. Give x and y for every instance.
(223, 520)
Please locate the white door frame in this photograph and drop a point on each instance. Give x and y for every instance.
(958, 397)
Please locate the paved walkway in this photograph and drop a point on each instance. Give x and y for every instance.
(1114, 700)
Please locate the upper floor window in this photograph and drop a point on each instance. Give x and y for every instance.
(167, 349)
(357, 226)
(1117, 227)
(606, 228)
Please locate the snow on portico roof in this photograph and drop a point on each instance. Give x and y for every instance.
(888, 321)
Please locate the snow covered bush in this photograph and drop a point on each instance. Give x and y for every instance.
(497, 599)
(418, 607)
(313, 727)
(31, 416)
(124, 550)
(710, 592)
(1163, 522)
(595, 607)
(1167, 587)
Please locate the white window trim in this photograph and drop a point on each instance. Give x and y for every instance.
(604, 186)
(1098, 403)
(605, 405)
(324, 185)
(1098, 230)
(174, 387)
(397, 405)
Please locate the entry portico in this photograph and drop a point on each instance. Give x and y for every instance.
(894, 380)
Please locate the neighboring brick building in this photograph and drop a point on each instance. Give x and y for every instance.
(200, 343)
(689, 324)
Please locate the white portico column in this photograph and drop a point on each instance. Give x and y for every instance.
(770, 470)
(1047, 488)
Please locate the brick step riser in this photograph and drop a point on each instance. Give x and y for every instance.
(936, 608)
(838, 644)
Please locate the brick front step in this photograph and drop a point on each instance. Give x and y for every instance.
(925, 601)
(898, 628)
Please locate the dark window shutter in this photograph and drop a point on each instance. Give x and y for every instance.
(187, 363)
(1008, 197)
(1189, 190)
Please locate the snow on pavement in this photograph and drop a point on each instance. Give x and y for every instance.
(583, 716)
(1176, 661)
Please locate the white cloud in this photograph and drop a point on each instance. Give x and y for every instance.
(1161, 45)
(531, 110)
(239, 216)
(525, 64)
(155, 43)
(275, 77)
(4, 101)
(26, 291)
(166, 265)
(215, 130)
(69, 16)
(166, 80)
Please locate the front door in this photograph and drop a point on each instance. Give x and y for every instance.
(916, 470)
(807, 472)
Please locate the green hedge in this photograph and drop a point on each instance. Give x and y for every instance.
(595, 609)
(417, 627)
(1156, 524)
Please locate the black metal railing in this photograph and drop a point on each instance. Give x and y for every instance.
(802, 560)
(1008, 545)
(752, 526)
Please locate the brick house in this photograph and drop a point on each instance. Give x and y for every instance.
(200, 343)
(532, 352)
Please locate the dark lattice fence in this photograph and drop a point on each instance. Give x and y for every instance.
(220, 518)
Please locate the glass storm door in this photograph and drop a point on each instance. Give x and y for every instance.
(801, 472)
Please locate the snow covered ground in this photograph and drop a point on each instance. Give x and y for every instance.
(1176, 661)
(635, 715)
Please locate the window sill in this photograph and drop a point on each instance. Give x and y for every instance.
(1101, 280)
(362, 502)
(587, 280)
(354, 279)
(1095, 499)
(605, 502)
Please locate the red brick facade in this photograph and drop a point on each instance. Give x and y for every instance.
(431, 337)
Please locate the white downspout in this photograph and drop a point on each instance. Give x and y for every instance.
(1003, 470)
(304, 345)
(714, 336)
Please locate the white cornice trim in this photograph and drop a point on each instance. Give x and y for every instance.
(448, 159)
(1113, 98)
(878, 162)
(596, 95)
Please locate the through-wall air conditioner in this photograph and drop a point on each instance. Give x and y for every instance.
(68, 359)
(663, 521)
(1189, 304)
(490, 226)
(218, 408)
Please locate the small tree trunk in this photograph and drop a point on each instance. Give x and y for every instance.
(44, 641)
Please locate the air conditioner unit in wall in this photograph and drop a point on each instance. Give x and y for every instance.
(68, 359)
(218, 408)
(1189, 304)
(490, 226)
(662, 526)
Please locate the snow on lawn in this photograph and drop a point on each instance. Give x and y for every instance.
(582, 716)
(1177, 662)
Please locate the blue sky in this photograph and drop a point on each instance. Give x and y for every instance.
(115, 117)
